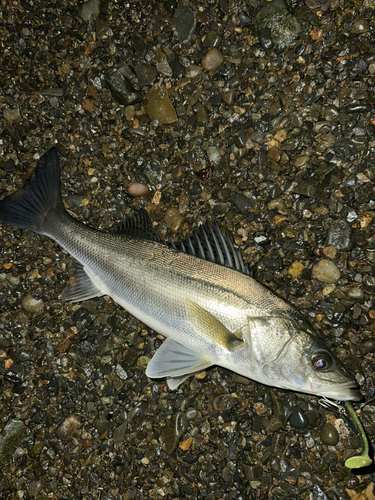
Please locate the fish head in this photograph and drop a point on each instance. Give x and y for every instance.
(287, 353)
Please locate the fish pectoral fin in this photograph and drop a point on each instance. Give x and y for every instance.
(214, 329)
(80, 287)
(176, 361)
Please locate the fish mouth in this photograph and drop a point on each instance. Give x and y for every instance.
(341, 392)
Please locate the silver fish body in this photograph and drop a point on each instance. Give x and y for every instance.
(210, 314)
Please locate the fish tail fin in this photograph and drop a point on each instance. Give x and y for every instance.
(32, 206)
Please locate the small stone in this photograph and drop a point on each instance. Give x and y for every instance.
(10, 439)
(159, 107)
(330, 252)
(145, 461)
(122, 86)
(142, 362)
(329, 435)
(326, 271)
(137, 190)
(260, 408)
(32, 305)
(340, 235)
(120, 372)
(273, 154)
(223, 402)
(252, 472)
(164, 68)
(174, 429)
(296, 269)
(213, 59)
(145, 73)
(12, 115)
(69, 427)
(192, 71)
(298, 418)
(184, 22)
(367, 346)
(90, 10)
(301, 161)
(229, 97)
(242, 203)
(274, 424)
(191, 413)
(120, 432)
(173, 219)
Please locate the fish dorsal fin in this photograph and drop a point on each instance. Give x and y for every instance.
(176, 361)
(137, 224)
(80, 287)
(209, 243)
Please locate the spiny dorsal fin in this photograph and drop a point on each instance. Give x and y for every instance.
(137, 224)
(209, 243)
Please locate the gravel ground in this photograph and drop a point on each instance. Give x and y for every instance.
(257, 114)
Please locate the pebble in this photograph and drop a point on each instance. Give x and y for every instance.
(213, 59)
(138, 189)
(326, 271)
(69, 427)
(229, 97)
(32, 305)
(146, 74)
(10, 437)
(296, 269)
(12, 115)
(330, 252)
(159, 107)
(274, 424)
(252, 472)
(191, 414)
(193, 70)
(223, 402)
(242, 203)
(164, 68)
(173, 431)
(329, 435)
(184, 22)
(142, 362)
(89, 10)
(121, 84)
(298, 419)
(120, 432)
(173, 219)
(283, 27)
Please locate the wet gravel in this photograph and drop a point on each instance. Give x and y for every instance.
(257, 114)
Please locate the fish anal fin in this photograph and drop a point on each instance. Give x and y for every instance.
(80, 287)
(176, 361)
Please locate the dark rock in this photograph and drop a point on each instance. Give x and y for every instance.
(340, 235)
(184, 22)
(298, 418)
(122, 86)
(173, 431)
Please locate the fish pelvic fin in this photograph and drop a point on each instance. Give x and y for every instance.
(29, 207)
(176, 361)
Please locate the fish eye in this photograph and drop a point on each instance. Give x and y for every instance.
(321, 360)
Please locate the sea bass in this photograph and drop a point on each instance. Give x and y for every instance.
(197, 293)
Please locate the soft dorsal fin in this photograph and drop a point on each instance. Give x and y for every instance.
(209, 243)
(137, 224)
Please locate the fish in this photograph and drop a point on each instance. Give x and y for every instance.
(196, 292)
